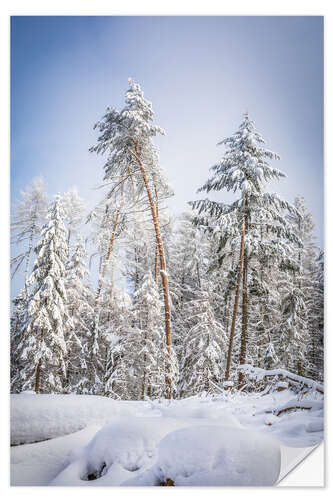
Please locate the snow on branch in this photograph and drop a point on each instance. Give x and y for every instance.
(259, 374)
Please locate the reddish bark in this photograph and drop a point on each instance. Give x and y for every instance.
(164, 277)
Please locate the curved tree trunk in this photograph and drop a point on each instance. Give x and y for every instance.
(163, 272)
(234, 314)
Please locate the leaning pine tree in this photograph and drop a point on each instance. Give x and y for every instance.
(42, 350)
(245, 167)
(132, 166)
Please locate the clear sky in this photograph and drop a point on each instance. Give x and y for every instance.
(201, 73)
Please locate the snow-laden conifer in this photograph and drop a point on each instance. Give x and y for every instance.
(245, 168)
(74, 209)
(204, 347)
(122, 375)
(299, 291)
(28, 219)
(133, 164)
(80, 307)
(152, 353)
(42, 349)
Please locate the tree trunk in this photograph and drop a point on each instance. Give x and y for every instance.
(163, 272)
(233, 323)
(242, 359)
(38, 376)
(156, 248)
(27, 265)
(108, 255)
(198, 276)
(299, 369)
(261, 309)
(243, 349)
(69, 238)
(299, 363)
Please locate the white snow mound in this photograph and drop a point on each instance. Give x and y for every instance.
(224, 456)
(198, 456)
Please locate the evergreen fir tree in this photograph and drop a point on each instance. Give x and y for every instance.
(152, 353)
(80, 307)
(245, 167)
(204, 347)
(121, 374)
(28, 219)
(42, 349)
(74, 209)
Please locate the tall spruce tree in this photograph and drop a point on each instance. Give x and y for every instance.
(74, 209)
(152, 353)
(122, 375)
(245, 168)
(42, 349)
(28, 219)
(80, 307)
(204, 346)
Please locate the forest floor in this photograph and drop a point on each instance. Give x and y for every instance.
(231, 439)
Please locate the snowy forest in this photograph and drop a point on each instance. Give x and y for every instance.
(178, 306)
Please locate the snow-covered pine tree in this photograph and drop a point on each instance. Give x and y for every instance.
(74, 209)
(222, 267)
(80, 307)
(133, 160)
(151, 356)
(139, 253)
(299, 290)
(28, 219)
(108, 223)
(294, 335)
(245, 167)
(18, 319)
(204, 347)
(315, 304)
(121, 374)
(42, 349)
(188, 256)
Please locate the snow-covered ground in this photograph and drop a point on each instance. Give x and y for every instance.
(225, 440)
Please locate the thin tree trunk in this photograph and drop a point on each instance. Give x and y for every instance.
(198, 275)
(243, 349)
(261, 338)
(136, 269)
(108, 255)
(27, 265)
(69, 238)
(156, 248)
(38, 376)
(299, 363)
(233, 323)
(242, 359)
(163, 272)
(299, 369)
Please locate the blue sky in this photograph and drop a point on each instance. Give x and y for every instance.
(201, 73)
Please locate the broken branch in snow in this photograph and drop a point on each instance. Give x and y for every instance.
(259, 374)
